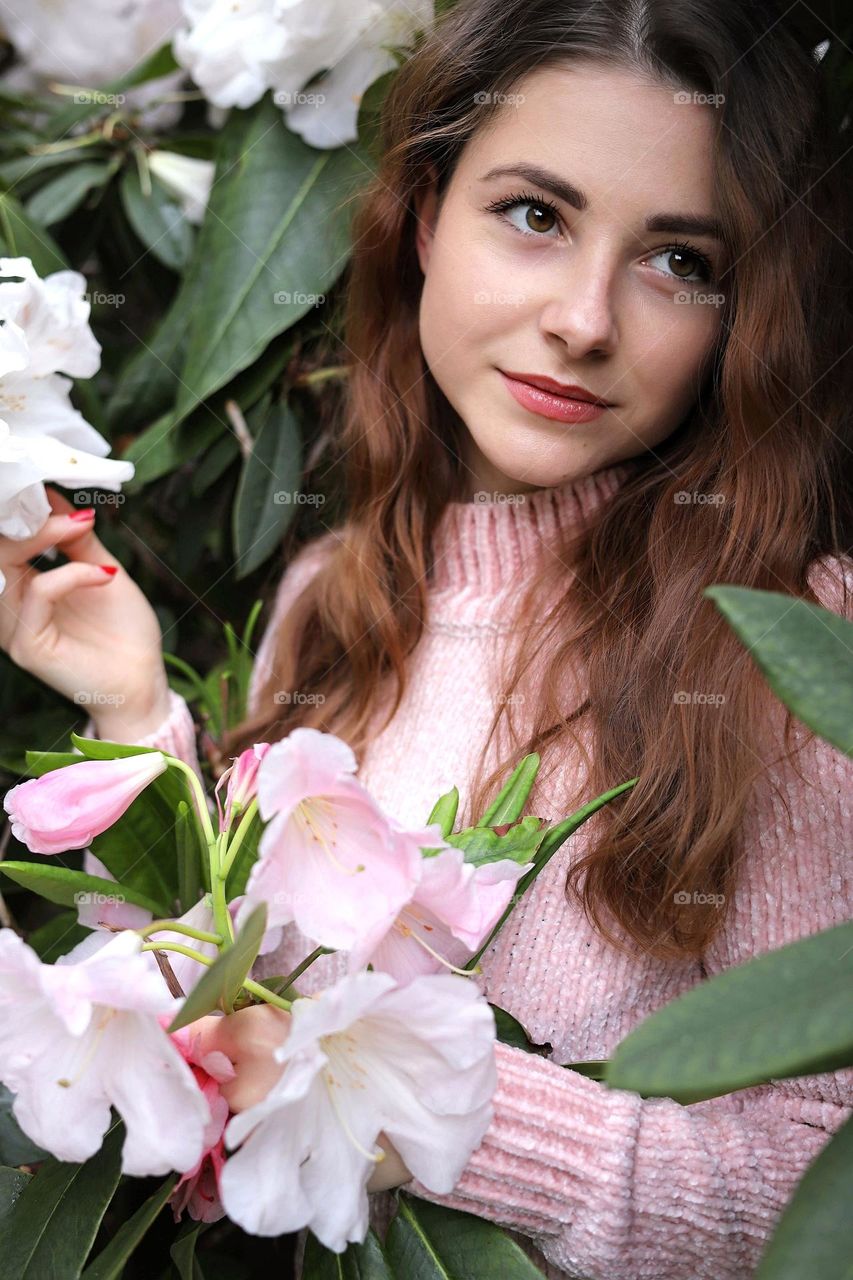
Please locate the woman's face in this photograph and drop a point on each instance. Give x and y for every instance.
(590, 296)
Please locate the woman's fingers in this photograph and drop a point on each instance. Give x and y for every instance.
(56, 530)
(41, 594)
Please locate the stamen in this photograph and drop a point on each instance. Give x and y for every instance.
(408, 932)
(66, 1084)
(331, 1084)
(304, 816)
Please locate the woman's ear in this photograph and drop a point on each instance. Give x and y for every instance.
(426, 214)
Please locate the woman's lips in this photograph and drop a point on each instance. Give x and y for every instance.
(549, 405)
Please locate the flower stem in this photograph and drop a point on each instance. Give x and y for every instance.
(221, 914)
(175, 926)
(303, 965)
(264, 993)
(177, 946)
(233, 848)
(198, 792)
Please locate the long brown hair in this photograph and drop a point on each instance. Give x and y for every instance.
(770, 433)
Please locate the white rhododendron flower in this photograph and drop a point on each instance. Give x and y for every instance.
(235, 53)
(44, 335)
(85, 1034)
(364, 1057)
(186, 178)
(91, 43)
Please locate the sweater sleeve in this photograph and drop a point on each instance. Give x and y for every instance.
(611, 1186)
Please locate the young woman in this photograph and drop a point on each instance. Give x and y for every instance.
(596, 322)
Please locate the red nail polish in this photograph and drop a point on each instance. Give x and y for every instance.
(86, 514)
(109, 568)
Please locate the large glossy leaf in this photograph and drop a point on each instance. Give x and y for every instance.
(428, 1242)
(110, 1262)
(277, 230)
(219, 985)
(815, 1235)
(15, 1146)
(804, 650)
(267, 495)
(57, 936)
(53, 1224)
(359, 1262)
(22, 237)
(510, 1031)
(785, 1013)
(157, 220)
(12, 1183)
(62, 885)
(62, 195)
(183, 1251)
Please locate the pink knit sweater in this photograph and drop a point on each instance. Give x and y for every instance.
(597, 1182)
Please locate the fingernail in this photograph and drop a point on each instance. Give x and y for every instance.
(109, 568)
(86, 514)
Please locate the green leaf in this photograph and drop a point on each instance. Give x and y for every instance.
(444, 813)
(553, 839)
(41, 762)
(183, 1254)
(784, 1013)
(110, 1262)
(163, 447)
(192, 856)
(279, 227)
(219, 985)
(815, 1234)
(15, 1146)
(12, 1183)
(509, 1031)
(510, 801)
(429, 1242)
(160, 63)
(157, 220)
(54, 1222)
(247, 855)
(62, 885)
(266, 499)
(358, 1262)
(519, 844)
(593, 1069)
(64, 193)
(804, 650)
(22, 237)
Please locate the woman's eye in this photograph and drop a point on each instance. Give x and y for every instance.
(530, 218)
(685, 263)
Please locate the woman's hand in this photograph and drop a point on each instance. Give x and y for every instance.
(249, 1038)
(89, 634)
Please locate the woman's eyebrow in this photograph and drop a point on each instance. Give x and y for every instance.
(684, 223)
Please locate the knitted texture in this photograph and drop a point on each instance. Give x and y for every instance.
(596, 1182)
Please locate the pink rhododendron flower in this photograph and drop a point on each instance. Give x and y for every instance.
(454, 907)
(363, 1057)
(241, 779)
(84, 1034)
(329, 859)
(68, 807)
(198, 1189)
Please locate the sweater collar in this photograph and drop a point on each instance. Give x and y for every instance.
(482, 547)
